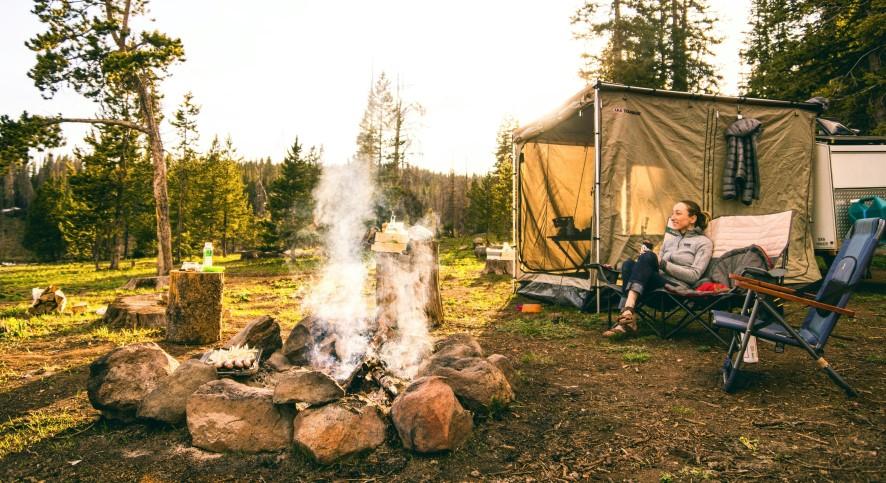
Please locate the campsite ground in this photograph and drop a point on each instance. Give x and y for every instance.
(639, 409)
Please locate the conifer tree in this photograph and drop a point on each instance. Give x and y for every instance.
(805, 48)
(502, 199)
(184, 170)
(93, 47)
(663, 44)
(290, 198)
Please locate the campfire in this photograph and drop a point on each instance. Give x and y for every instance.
(343, 374)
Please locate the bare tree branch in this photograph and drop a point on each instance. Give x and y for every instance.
(111, 122)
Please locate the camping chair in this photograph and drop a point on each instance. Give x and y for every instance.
(669, 310)
(825, 309)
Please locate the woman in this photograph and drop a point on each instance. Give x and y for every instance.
(683, 260)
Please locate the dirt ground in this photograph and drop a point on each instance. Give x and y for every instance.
(638, 409)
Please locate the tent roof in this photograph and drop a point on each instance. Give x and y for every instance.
(570, 124)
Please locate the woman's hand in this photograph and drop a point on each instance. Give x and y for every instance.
(662, 264)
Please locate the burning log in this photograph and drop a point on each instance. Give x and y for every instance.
(374, 370)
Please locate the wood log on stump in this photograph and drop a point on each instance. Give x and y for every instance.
(422, 260)
(137, 311)
(194, 313)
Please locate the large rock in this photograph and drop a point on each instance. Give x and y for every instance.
(429, 418)
(120, 380)
(298, 345)
(262, 333)
(478, 384)
(225, 415)
(168, 401)
(279, 362)
(306, 386)
(504, 365)
(460, 345)
(336, 430)
(449, 351)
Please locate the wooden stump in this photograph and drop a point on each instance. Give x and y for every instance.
(156, 283)
(136, 311)
(194, 313)
(422, 259)
(499, 267)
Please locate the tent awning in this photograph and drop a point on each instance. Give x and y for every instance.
(573, 122)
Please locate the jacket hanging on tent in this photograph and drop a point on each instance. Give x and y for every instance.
(741, 173)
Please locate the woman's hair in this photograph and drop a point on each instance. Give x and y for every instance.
(701, 218)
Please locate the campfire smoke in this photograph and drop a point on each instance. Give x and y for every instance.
(411, 342)
(344, 197)
(337, 302)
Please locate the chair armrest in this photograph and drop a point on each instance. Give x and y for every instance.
(609, 274)
(793, 298)
(760, 283)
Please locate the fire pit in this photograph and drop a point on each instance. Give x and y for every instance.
(343, 374)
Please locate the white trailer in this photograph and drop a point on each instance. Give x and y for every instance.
(845, 169)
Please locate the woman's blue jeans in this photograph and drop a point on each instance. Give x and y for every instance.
(641, 275)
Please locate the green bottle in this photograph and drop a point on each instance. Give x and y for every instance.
(207, 254)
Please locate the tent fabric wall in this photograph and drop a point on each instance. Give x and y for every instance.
(658, 153)
(657, 148)
(555, 181)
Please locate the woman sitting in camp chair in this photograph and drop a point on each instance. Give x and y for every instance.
(684, 258)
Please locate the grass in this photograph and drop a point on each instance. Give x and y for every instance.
(630, 353)
(636, 357)
(23, 432)
(876, 358)
(123, 337)
(532, 358)
(538, 327)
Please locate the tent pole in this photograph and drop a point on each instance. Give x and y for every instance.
(515, 196)
(598, 161)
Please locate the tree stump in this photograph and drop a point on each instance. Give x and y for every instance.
(421, 266)
(156, 283)
(136, 311)
(194, 313)
(499, 267)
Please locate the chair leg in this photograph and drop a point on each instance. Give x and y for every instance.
(838, 380)
(821, 361)
(732, 364)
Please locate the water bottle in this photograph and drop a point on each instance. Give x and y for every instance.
(207, 254)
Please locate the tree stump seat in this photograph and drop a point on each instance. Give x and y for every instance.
(194, 313)
(145, 311)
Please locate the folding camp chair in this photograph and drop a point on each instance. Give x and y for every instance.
(824, 310)
(669, 310)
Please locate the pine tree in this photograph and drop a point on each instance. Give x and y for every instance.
(290, 198)
(385, 135)
(93, 47)
(502, 203)
(480, 204)
(663, 44)
(184, 170)
(44, 225)
(804, 48)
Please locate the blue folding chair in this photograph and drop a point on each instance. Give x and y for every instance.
(825, 309)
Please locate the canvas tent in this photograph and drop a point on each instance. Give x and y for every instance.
(655, 148)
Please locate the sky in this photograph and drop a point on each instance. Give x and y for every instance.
(267, 72)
